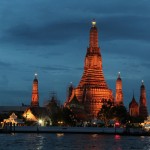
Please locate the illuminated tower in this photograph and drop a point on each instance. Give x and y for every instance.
(133, 108)
(92, 89)
(35, 93)
(119, 93)
(143, 106)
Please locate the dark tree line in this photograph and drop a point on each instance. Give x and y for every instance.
(109, 111)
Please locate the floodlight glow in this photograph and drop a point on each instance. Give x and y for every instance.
(40, 121)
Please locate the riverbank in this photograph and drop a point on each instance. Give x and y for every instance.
(75, 130)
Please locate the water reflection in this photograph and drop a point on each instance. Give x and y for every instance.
(12, 134)
(73, 142)
(117, 137)
(59, 134)
(40, 142)
(94, 135)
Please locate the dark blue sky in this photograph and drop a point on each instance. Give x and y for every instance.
(50, 37)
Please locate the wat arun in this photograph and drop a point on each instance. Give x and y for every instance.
(92, 90)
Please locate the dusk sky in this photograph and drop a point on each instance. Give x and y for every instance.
(51, 37)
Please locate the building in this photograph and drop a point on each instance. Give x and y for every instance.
(133, 108)
(143, 104)
(52, 105)
(35, 93)
(37, 115)
(77, 109)
(119, 92)
(146, 124)
(13, 120)
(92, 89)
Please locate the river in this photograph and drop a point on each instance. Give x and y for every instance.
(72, 142)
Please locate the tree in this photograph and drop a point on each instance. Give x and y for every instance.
(120, 113)
(68, 117)
(105, 114)
(54, 110)
(108, 112)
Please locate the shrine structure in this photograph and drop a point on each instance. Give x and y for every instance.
(92, 90)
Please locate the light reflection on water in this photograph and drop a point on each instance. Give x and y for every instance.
(117, 137)
(59, 134)
(73, 142)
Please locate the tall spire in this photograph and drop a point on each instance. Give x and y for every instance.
(142, 94)
(119, 93)
(119, 74)
(35, 93)
(143, 106)
(92, 88)
(133, 94)
(93, 35)
(35, 75)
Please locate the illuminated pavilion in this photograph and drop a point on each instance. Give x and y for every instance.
(92, 90)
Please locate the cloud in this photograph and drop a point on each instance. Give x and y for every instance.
(46, 34)
(4, 81)
(14, 97)
(5, 65)
(50, 37)
(54, 68)
(124, 27)
(45, 26)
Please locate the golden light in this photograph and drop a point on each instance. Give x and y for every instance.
(60, 123)
(60, 134)
(40, 121)
(93, 23)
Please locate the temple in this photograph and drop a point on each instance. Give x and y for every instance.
(119, 93)
(35, 93)
(92, 90)
(133, 108)
(143, 104)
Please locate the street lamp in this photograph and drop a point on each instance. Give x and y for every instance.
(40, 122)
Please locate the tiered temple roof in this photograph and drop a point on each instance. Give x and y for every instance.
(92, 88)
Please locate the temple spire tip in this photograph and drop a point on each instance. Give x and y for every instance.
(35, 75)
(119, 74)
(93, 23)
